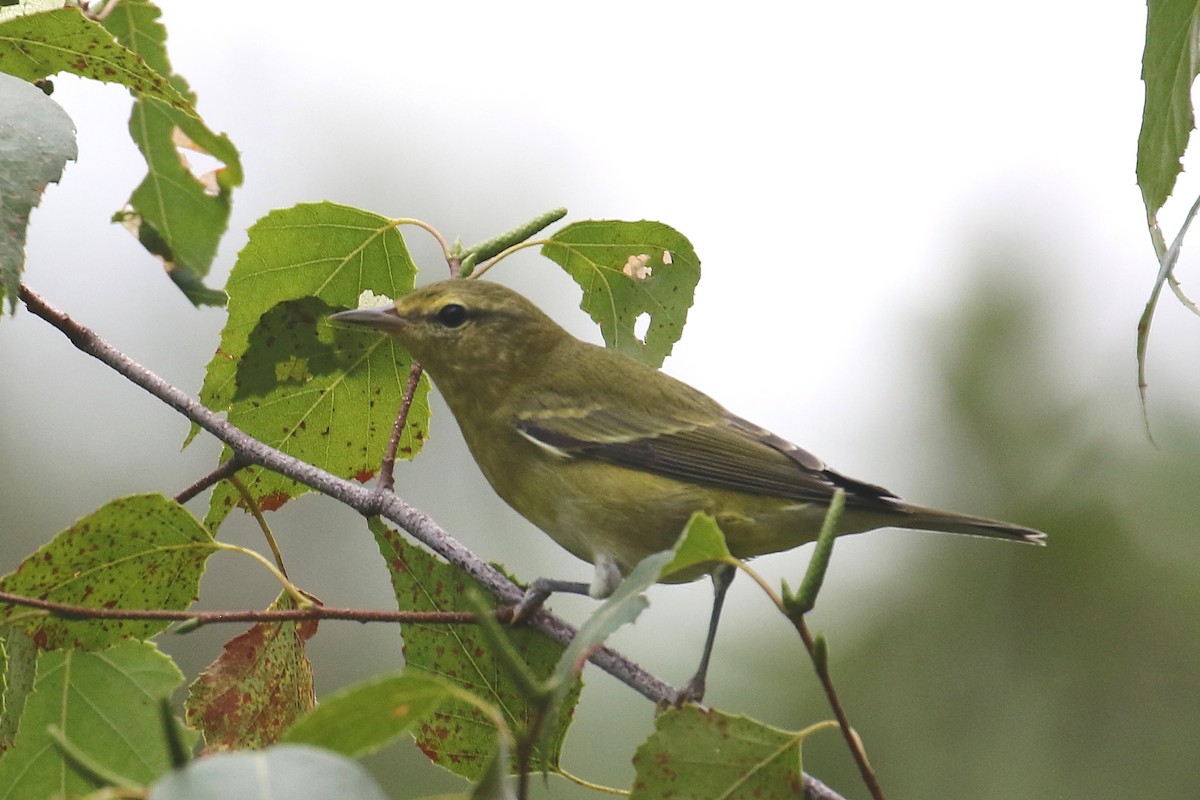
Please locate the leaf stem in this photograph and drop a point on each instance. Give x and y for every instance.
(485, 266)
(256, 512)
(586, 784)
(302, 600)
(432, 231)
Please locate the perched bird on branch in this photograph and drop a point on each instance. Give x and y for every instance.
(611, 457)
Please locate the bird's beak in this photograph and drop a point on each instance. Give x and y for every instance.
(383, 318)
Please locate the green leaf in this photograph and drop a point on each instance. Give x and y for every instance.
(627, 270)
(10, 9)
(461, 737)
(38, 45)
(106, 703)
(37, 139)
(622, 607)
(701, 546)
(142, 551)
(496, 783)
(259, 685)
(20, 668)
(282, 375)
(695, 754)
(1169, 66)
(176, 215)
(283, 771)
(369, 715)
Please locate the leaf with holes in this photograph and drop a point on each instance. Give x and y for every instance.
(630, 270)
(281, 374)
(177, 215)
(460, 737)
(259, 685)
(141, 551)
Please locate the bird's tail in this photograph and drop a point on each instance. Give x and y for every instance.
(932, 519)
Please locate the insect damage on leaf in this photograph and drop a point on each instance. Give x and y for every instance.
(368, 299)
(209, 178)
(638, 267)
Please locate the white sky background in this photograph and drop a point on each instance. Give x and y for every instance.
(834, 165)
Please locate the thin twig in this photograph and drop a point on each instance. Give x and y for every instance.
(242, 615)
(251, 505)
(852, 740)
(388, 466)
(230, 467)
(367, 501)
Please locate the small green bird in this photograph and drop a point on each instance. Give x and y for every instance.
(611, 457)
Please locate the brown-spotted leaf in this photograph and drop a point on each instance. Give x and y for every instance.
(141, 551)
(260, 684)
(323, 393)
(37, 45)
(459, 736)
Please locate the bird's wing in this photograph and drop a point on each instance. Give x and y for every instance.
(729, 453)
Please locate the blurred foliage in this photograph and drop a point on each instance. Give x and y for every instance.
(1002, 672)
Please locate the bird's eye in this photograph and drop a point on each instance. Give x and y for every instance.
(452, 315)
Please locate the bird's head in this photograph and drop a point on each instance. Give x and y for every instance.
(465, 330)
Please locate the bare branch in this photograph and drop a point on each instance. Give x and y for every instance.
(311, 612)
(216, 476)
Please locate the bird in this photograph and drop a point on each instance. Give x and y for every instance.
(611, 457)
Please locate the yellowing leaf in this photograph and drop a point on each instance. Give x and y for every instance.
(259, 685)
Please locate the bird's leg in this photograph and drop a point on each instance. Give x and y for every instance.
(604, 580)
(538, 591)
(693, 690)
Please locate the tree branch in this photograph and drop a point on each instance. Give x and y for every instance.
(367, 501)
(197, 618)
